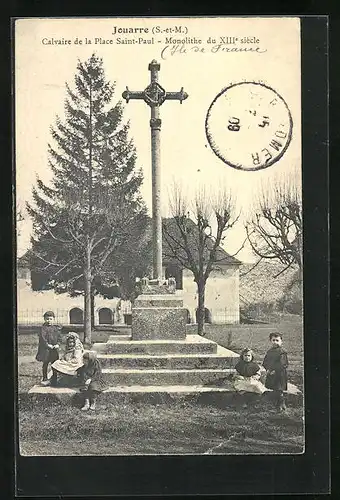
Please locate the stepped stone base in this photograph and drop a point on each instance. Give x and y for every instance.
(223, 358)
(159, 363)
(168, 364)
(192, 344)
(165, 377)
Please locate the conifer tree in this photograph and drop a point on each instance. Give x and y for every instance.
(93, 203)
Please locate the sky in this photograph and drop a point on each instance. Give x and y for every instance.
(42, 68)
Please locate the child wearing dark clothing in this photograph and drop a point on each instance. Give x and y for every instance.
(276, 363)
(91, 378)
(48, 349)
(248, 374)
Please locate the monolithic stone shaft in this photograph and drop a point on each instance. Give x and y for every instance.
(154, 95)
(155, 124)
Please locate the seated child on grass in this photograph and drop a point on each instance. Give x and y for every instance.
(71, 360)
(91, 379)
(247, 378)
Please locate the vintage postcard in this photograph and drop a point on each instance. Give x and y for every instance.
(159, 236)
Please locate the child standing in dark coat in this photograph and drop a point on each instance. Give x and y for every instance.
(48, 349)
(276, 363)
(91, 378)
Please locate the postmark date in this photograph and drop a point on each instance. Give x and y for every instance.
(249, 126)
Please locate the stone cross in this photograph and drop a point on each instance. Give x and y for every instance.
(154, 95)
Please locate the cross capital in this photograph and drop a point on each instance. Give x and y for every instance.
(154, 95)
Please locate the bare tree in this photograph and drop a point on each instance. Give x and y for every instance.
(194, 233)
(275, 230)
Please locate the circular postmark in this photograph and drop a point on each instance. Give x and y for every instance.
(249, 126)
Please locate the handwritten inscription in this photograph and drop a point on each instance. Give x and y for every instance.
(180, 49)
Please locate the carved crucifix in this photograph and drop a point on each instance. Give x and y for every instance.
(154, 95)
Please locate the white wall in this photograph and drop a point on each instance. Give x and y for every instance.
(221, 298)
(32, 305)
(221, 295)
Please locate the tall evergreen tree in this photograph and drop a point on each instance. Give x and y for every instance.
(83, 219)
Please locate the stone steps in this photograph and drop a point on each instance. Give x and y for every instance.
(128, 377)
(113, 329)
(222, 359)
(192, 344)
(130, 389)
(151, 394)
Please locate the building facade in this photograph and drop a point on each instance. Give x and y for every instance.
(221, 298)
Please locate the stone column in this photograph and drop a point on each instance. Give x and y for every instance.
(154, 95)
(155, 124)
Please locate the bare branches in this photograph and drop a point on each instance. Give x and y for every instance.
(194, 233)
(275, 230)
(178, 244)
(178, 202)
(250, 270)
(240, 248)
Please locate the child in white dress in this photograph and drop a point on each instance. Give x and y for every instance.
(72, 358)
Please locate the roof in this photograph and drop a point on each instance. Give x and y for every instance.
(262, 282)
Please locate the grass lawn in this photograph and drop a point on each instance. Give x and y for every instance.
(163, 429)
(175, 428)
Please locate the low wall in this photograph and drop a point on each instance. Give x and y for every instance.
(190, 328)
(34, 329)
(229, 328)
(29, 329)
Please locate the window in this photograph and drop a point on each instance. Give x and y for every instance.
(76, 316)
(105, 316)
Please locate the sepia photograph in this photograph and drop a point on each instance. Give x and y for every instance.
(159, 237)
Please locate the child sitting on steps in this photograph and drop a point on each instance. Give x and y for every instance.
(247, 378)
(71, 360)
(91, 378)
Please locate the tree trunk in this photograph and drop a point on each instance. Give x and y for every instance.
(87, 296)
(92, 307)
(201, 308)
(87, 271)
